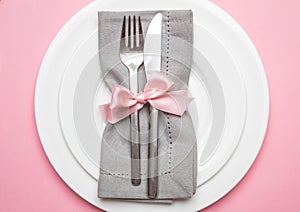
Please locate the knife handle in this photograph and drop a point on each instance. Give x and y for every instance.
(152, 154)
(135, 149)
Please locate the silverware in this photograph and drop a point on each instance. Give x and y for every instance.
(131, 54)
(152, 62)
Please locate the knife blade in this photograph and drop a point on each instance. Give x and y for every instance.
(152, 62)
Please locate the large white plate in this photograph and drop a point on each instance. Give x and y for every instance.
(217, 23)
(218, 110)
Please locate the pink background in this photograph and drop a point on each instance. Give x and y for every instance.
(29, 183)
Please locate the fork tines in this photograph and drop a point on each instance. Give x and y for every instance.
(132, 37)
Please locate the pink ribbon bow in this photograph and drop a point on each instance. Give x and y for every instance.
(156, 92)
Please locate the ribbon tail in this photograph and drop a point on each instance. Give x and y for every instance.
(107, 113)
(174, 102)
(113, 115)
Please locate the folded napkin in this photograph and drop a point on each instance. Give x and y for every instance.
(177, 149)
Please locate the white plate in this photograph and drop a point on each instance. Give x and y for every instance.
(215, 84)
(217, 23)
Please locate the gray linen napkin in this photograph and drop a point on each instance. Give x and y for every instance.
(177, 147)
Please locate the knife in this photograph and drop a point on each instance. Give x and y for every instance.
(152, 62)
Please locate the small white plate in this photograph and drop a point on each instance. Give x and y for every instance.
(218, 23)
(218, 110)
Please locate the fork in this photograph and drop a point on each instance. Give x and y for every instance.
(131, 55)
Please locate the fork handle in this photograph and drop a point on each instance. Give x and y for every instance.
(135, 149)
(135, 132)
